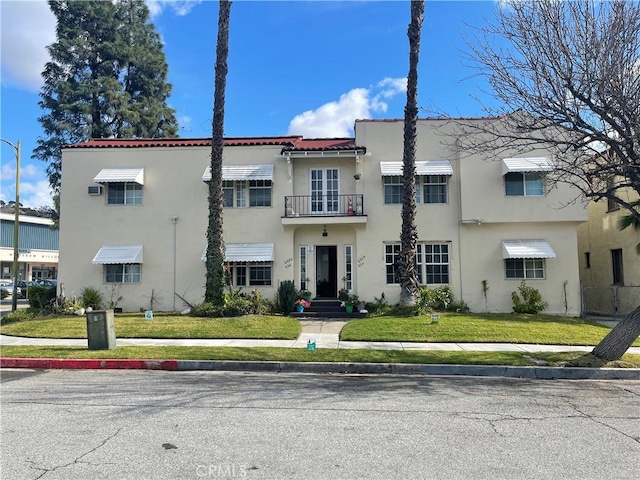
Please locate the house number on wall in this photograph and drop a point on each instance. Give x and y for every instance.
(361, 260)
(288, 263)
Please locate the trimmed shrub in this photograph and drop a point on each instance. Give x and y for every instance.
(527, 300)
(287, 295)
(41, 297)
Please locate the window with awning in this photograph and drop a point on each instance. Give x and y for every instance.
(248, 263)
(525, 259)
(109, 254)
(121, 263)
(432, 177)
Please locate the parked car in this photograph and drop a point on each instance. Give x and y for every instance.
(46, 282)
(8, 287)
(24, 287)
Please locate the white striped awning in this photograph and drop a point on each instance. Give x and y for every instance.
(246, 252)
(531, 164)
(527, 249)
(242, 172)
(118, 254)
(426, 167)
(120, 175)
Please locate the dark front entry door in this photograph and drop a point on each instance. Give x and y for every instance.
(327, 271)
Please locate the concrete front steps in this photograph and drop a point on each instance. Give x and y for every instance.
(326, 308)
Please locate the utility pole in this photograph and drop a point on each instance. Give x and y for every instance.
(16, 225)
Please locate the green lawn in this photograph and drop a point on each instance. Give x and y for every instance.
(477, 327)
(162, 326)
(302, 355)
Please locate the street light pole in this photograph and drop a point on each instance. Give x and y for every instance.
(16, 225)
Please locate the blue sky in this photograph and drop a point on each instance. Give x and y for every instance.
(295, 67)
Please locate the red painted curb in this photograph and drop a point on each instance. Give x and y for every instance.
(97, 364)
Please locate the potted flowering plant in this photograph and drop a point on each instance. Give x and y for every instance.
(351, 302)
(301, 304)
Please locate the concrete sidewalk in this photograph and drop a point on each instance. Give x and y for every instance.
(324, 332)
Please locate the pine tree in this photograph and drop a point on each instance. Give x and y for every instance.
(106, 79)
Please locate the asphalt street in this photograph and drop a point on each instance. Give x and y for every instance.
(88, 424)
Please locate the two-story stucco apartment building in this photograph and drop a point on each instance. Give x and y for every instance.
(325, 213)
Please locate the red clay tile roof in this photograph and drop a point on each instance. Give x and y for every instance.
(182, 142)
(289, 143)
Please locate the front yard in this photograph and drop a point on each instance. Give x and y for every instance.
(162, 326)
(478, 328)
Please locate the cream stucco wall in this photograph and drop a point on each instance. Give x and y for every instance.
(173, 188)
(476, 191)
(598, 236)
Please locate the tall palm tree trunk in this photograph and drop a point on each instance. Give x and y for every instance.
(215, 282)
(409, 234)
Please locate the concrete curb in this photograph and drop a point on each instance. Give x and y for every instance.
(547, 373)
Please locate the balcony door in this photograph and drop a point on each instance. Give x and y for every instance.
(324, 189)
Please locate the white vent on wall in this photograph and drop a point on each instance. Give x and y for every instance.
(94, 190)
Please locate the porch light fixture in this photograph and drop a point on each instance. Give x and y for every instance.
(324, 231)
(357, 176)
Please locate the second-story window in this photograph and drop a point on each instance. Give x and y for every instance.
(429, 189)
(524, 184)
(525, 176)
(242, 193)
(392, 190)
(434, 188)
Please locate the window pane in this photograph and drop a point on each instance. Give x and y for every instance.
(514, 184)
(241, 276)
(617, 270)
(113, 273)
(260, 275)
(131, 273)
(392, 190)
(241, 194)
(227, 197)
(514, 268)
(348, 267)
(392, 255)
(115, 194)
(133, 194)
(533, 184)
(435, 189)
(432, 263)
(260, 193)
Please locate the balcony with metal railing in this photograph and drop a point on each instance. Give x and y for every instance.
(324, 209)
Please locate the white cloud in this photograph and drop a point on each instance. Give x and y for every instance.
(36, 194)
(336, 119)
(34, 186)
(179, 7)
(27, 28)
(392, 86)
